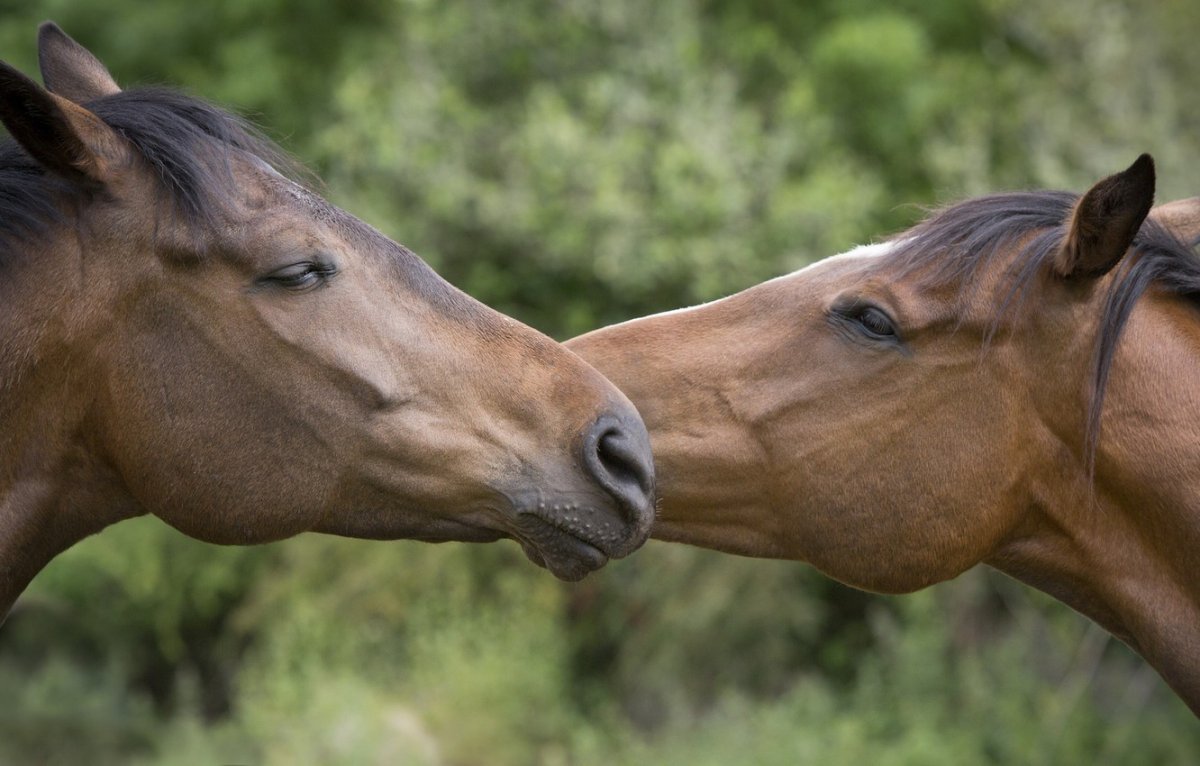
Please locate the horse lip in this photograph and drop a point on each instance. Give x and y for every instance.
(613, 537)
(572, 541)
(582, 559)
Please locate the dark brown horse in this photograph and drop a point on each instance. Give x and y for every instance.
(186, 332)
(903, 412)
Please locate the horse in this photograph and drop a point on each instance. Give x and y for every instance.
(904, 411)
(188, 330)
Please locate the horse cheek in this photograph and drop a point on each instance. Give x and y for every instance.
(208, 453)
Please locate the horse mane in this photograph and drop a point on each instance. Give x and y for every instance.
(955, 245)
(186, 141)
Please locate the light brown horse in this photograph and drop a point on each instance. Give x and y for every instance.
(186, 332)
(903, 412)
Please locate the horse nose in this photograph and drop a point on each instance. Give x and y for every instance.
(616, 452)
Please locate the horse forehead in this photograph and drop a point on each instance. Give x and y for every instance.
(272, 203)
(269, 187)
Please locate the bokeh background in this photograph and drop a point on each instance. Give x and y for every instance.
(574, 163)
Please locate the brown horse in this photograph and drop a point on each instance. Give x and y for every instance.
(186, 332)
(903, 412)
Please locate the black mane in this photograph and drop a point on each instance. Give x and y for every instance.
(955, 245)
(186, 141)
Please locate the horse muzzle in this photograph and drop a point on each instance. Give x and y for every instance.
(572, 534)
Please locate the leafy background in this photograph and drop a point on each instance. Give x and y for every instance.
(575, 163)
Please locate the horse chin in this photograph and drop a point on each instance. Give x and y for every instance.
(567, 556)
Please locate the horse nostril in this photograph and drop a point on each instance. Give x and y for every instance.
(617, 454)
(621, 459)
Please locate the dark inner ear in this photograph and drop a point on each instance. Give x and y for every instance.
(69, 69)
(60, 135)
(1106, 220)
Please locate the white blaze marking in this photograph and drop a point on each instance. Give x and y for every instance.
(862, 252)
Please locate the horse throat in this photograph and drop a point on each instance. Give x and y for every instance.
(53, 495)
(54, 490)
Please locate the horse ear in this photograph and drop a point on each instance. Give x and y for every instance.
(69, 69)
(1182, 217)
(1106, 220)
(61, 135)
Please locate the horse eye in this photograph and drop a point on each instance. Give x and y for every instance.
(300, 276)
(876, 322)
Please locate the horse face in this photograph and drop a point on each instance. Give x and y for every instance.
(846, 422)
(325, 368)
(262, 363)
(897, 437)
(899, 413)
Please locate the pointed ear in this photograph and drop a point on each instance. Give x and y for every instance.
(61, 135)
(1106, 220)
(69, 69)
(1182, 217)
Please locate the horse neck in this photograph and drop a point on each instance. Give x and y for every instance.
(1104, 557)
(53, 489)
(1122, 549)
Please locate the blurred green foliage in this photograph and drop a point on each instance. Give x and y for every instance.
(575, 163)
